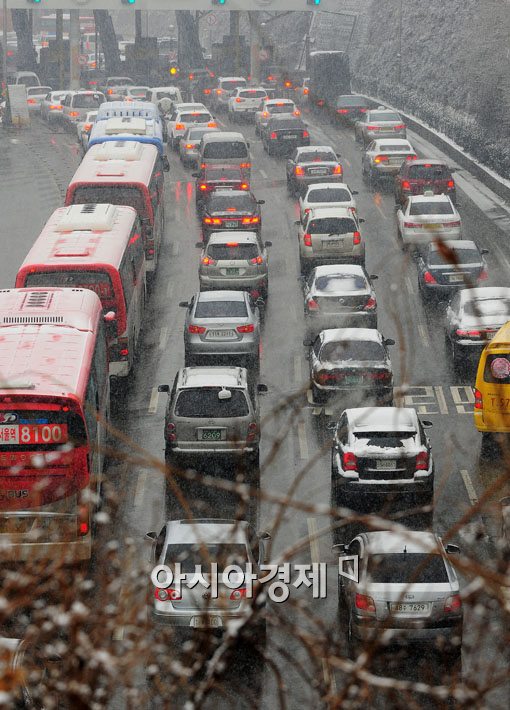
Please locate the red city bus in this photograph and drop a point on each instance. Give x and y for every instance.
(54, 403)
(98, 247)
(125, 173)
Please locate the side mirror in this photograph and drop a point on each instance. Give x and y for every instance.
(297, 223)
(264, 535)
(452, 549)
(389, 341)
(261, 388)
(426, 424)
(340, 547)
(151, 535)
(195, 175)
(247, 145)
(199, 245)
(338, 155)
(261, 202)
(110, 317)
(164, 388)
(362, 221)
(183, 304)
(268, 244)
(260, 303)
(308, 343)
(354, 192)
(484, 251)
(397, 207)
(373, 277)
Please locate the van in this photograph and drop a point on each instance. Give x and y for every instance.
(492, 387)
(225, 148)
(27, 78)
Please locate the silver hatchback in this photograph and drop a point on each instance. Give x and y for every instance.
(219, 326)
(212, 411)
(234, 260)
(402, 588)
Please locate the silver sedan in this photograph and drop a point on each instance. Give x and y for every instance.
(221, 326)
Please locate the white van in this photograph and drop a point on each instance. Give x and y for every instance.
(225, 148)
(28, 78)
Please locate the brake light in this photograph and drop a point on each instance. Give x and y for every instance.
(422, 461)
(349, 461)
(87, 127)
(372, 128)
(257, 260)
(356, 238)
(411, 157)
(203, 186)
(252, 431)
(298, 170)
(323, 378)
(109, 92)
(370, 304)
(452, 224)
(245, 166)
(245, 328)
(219, 91)
(170, 432)
(212, 124)
(337, 170)
(189, 146)
(342, 110)
(428, 278)
(305, 91)
(239, 100)
(165, 595)
(413, 225)
(179, 126)
(196, 329)
(470, 333)
(306, 134)
(207, 261)
(376, 375)
(288, 85)
(478, 400)
(244, 186)
(31, 101)
(381, 159)
(212, 220)
(307, 239)
(58, 107)
(400, 127)
(238, 594)
(453, 603)
(297, 112)
(83, 520)
(312, 305)
(450, 184)
(207, 91)
(273, 136)
(251, 220)
(232, 244)
(123, 348)
(74, 114)
(483, 276)
(365, 603)
(406, 185)
(265, 114)
(363, 110)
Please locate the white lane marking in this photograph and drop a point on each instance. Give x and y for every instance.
(473, 498)
(424, 334)
(303, 444)
(140, 488)
(175, 248)
(457, 392)
(409, 285)
(380, 210)
(297, 369)
(118, 633)
(263, 173)
(443, 407)
(347, 162)
(169, 289)
(501, 255)
(153, 403)
(163, 337)
(313, 540)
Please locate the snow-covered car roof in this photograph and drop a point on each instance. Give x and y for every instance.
(212, 377)
(226, 295)
(206, 530)
(383, 142)
(231, 236)
(453, 244)
(409, 542)
(418, 199)
(484, 292)
(332, 335)
(333, 269)
(382, 419)
(321, 211)
(328, 186)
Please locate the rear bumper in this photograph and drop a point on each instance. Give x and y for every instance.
(495, 423)
(184, 619)
(370, 629)
(255, 283)
(212, 349)
(229, 448)
(305, 180)
(356, 491)
(315, 259)
(426, 236)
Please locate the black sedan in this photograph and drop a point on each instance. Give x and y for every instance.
(350, 108)
(231, 209)
(310, 165)
(216, 178)
(447, 266)
(282, 134)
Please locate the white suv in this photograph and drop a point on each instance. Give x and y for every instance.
(245, 102)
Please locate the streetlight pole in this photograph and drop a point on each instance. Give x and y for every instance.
(4, 46)
(399, 54)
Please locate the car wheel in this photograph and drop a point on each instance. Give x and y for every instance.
(318, 396)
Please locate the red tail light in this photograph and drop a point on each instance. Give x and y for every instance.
(256, 260)
(342, 110)
(469, 333)
(83, 520)
(297, 112)
(324, 377)
(123, 348)
(307, 239)
(298, 170)
(428, 278)
(406, 185)
(273, 136)
(218, 91)
(370, 304)
(413, 225)
(245, 166)
(189, 146)
(207, 92)
(196, 329)
(202, 186)
(167, 595)
(238, 594)
(452, 224)
(356, 238)
(363, 110)
(74, 114)
(170, 432)
(212, 124)
(381, 159)
(450, 184)
(400, 127)
(372, 128)
(377, 376)
(179, 126)
(109, 91)
(238, 100)
(251, 220)
(337, 170)
(212, 220)
(87, 127)
(58, 107)
(453, 603)
(207, 261)
(349, 461)
(245, 328)
(483, 276)
(305, 91)
(306, 134)
(365, 603)
(422, 461)
(244, 186)
(312, 305)
(411, 157)
(252, 431)
(478, 400)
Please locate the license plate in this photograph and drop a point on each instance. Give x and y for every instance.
(220, 334)
(210, 434)
(409, 608)
(332, 243)
(231, 225)
(455, 278)
(386, 464)
(318, 171)
(351, 380)
(289, 138)
(232, 272)
(432, 226)
(204, 622)
(490, 336)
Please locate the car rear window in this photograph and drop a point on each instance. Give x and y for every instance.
(233, 173)
(166, 95)
(225, 150)
(417, 208)
(221, 309)
(364, 350)
(340, 282)
(197, 133)
(379, 116)
(351, 101)
(232, 251)
(237, 203)
(195, 117)
(196, 555)
(280, 108)
(332, 225)
(87, 101)
(429, 172)
(28, 81)
(309, 156)
(407, 568)
(463, 256)
(385, 437)
(394, 147)
(333, 194)
(499, 307)
(286, 125)
(497, 369)
(252, 94)
(203, 403)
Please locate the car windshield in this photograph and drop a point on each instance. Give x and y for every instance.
(236, 203)
(356, 350)
(204, 403)
(463, 256)
(221, 309)
(429, 172)
(380, 116)
(29, 81)
(315, 156)
(87, 101)
(138, 91)
(340, 282)
(197, 555)
(407, 568)
(166, 95)
(418, 208)
(329, 194)
(332, 225)
(232, 251)
(195, 117)
(219, 150)
(482, 307)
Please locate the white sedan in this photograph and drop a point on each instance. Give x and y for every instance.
(245, 102)
(35, 96)
(385, 157)
(274, 107)
(327, 194)
(423, 218)
(185, 115)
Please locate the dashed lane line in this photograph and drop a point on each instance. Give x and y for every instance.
(443, 407)
(470, 489)
(409, 285)
(424, 335)
(303, 443)
(140, 488)
(153, 402)
(298, 374)
(313, 540)
(263, 173)
(163, 338)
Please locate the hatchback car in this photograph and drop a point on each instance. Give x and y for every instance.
(218, 177)
(35, 97)
(379, 452)
(51, 106)
(182, 118)
(221, 325)
(330, 235)
(385, 156)
(405, 589)
(235, 260)
(350, 364)
(225, 88)
(244, 102)
(418, 176)
(283, 134)
(274, 107)
(327, 194)
(473, 317)
(188, 146)
(447, 266)
(379, 123)
(231, 209)
(310, 165)
(196, 544)
(350, 108)
(212, 411)
(339, 296)
(424, 218)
